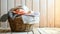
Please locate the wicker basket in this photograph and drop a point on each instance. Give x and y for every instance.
(17, 25)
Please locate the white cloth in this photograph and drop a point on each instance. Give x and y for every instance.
(31, 19)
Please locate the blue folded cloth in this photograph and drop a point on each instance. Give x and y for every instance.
(31, 19)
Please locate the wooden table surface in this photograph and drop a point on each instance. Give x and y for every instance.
(38, 31)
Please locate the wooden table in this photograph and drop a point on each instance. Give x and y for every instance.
(38, 31)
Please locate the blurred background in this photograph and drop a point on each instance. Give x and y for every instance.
(49, 11)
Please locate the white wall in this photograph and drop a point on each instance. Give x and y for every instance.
(49, 9)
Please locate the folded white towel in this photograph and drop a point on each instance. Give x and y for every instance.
(31, 19)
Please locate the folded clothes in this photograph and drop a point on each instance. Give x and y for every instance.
(27, 15)
(31, 19)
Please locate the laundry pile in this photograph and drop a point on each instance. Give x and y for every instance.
(28, 16)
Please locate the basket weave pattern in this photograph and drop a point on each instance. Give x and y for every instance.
(17, 25)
